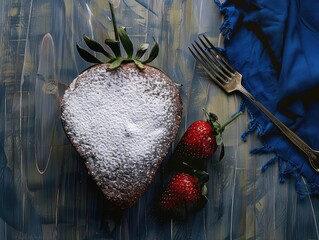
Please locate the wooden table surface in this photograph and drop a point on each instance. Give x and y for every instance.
(45, 191)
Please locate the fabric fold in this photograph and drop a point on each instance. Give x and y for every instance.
(273, 45)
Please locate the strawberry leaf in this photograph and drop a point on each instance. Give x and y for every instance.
(153, 54)
(116, 63)
(141, 50)
(95, 46)
(86, 55)
(219, 139)
(126, 42)
(204, 190)
(213, 116)
(121, 37)
(114, 45)
(222, 152)
(139, 64)
(202, 177)
(216, 128)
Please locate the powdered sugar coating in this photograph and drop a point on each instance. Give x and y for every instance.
(122, 123)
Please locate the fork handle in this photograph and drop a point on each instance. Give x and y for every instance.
(294, 138)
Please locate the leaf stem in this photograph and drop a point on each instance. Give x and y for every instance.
(207, 116)
(230, 120)
(116, 33)
(114, 22)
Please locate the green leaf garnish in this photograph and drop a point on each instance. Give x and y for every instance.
(114, 45)
(141, 50)
(153, 54)
(126, 42)
(95, 46)
(116, 63)
(116, 35)
(139, 64)
(121, 37)
(86, 55)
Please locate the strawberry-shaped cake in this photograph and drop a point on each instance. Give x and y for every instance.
(121, 115)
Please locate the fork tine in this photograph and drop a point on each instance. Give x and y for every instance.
(214, 64)
(212, 67)
(203, 61)
(218, 54)
(207, 68)
(216, 59)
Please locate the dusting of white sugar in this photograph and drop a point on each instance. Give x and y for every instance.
(122, 123)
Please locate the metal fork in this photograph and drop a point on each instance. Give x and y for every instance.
(225, 76)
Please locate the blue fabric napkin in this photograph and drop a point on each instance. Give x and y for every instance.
(275, 46)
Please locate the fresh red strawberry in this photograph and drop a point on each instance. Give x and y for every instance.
(182, 189)
(200, 141)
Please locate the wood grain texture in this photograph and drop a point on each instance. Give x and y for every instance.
(45, 191)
